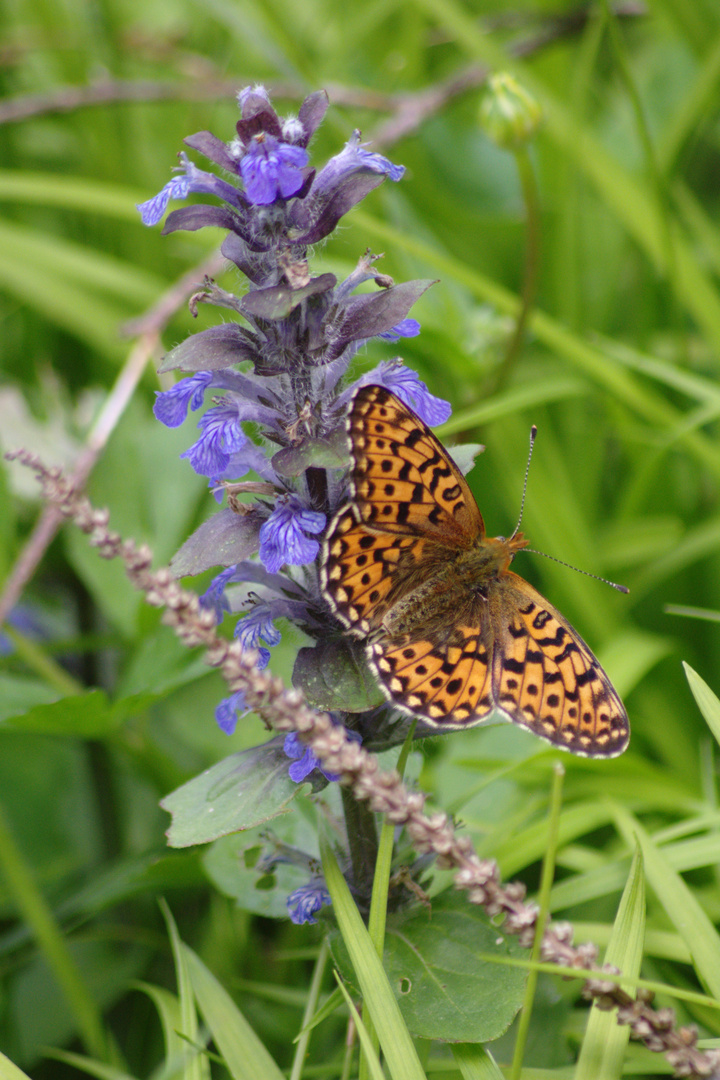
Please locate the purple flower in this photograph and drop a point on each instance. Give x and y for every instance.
(153, 209)
(191, 180)
(295, 748)
(352, 159)
(405, 328)
(380, 164)
(228, 710)
(305, 902)
(214, 596)
(221, 437)
(171, 405)
(405, 384)
(271, 168)
(250, 456)
(282, 536)
(256, 625)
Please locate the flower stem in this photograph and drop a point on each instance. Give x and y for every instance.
(363, 845)
(528, 182)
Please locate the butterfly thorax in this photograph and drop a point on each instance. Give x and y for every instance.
(450, 581)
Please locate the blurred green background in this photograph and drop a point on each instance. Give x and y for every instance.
(101, 712)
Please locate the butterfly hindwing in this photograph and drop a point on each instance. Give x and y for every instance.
(547, 679)
(447, 682)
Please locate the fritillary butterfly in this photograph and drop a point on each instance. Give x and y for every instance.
(452, 634)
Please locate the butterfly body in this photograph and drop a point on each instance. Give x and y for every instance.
(452, 634)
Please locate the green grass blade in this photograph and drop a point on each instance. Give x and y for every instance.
(8, 1071)
(198, 1067)
(372, 1061)
(397, 1045)
(707, 702)
(603, 1047)
(475, 1062)
(245, 1056)
(50, 940)
(168, 1007)
(679, 902)
(91, 1066)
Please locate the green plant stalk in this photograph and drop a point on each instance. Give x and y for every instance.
(378, 903)
(310, 1007)
(528, 183)
(362, 842)
(38, 916)
(546, 880)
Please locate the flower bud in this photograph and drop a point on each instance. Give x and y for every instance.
(509, 114)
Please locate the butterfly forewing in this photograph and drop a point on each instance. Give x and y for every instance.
(364, 573)
(403, 480)
(452, 634)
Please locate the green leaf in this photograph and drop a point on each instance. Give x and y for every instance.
(707, 702)
(86, 716)
(243, 790)
(328, 453)
(18, 695)
(229, 865)
(244, 1054)
(334, 676)
(168, 1007)
(222, 540)
(397, 1046)
(442, 987)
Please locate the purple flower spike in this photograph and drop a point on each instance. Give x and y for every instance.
(228, 710)
(306, 761)
(221, 437)
(256, 625)
(282, 537)
(171, 405)
(270, 168)
(305, 902)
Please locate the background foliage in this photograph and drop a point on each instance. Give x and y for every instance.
(102, 712)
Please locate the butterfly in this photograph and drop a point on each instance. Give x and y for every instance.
(452, 634)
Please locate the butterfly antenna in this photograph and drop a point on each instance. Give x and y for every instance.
(533, 433)
(612, 584)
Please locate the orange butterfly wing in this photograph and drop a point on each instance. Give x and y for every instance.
(453, 635)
